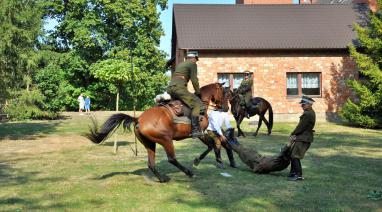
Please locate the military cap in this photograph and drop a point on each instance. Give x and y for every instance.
(247, 73)
(306, 100)
(193, 54)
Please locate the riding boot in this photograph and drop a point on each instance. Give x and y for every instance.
(195, 133)
(231, 158)
(219, 161)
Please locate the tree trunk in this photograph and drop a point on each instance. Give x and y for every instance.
(117, 102)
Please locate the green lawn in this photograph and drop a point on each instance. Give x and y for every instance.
(47, 166)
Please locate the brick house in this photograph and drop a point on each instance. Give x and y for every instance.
(289, 49)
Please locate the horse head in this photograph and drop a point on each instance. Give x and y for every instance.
(215, 92)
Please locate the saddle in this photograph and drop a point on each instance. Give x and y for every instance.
(254, 106)
(181, 113)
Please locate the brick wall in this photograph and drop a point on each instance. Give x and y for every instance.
(269, 75)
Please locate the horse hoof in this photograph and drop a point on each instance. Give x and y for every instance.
(164, 179)
(255, 134)
(190, 174)
(196, 162)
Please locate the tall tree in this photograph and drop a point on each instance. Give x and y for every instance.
(366, 110)
(97, 30)
(20, 27)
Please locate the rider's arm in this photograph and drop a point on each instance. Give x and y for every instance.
(194, 78)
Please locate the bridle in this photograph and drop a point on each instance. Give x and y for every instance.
(219, 89)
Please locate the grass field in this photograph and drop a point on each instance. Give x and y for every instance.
(49, 166)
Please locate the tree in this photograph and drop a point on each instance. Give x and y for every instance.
(366, 109)
(115, 71)
(20, 27)
(93, 31)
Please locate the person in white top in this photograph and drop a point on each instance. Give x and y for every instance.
(216, 119)
(81, 102)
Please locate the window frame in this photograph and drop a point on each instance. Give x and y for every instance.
(231, 77)
(299, 84)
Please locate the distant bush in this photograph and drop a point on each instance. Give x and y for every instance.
(28, 105)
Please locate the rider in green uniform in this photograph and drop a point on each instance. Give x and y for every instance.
(177, 88)
(245, 92)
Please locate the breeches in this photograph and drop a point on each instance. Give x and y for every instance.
(192, 101)
(217, 141)
(298, 149)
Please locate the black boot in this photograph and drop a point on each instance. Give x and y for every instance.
(219, 161)
(195, 133)
(231, 158)
(296, 165)
(292, 171)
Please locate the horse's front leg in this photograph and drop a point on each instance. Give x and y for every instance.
(258, 125)
(202, 156)
(238, 122)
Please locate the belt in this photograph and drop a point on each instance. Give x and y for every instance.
(178, 76)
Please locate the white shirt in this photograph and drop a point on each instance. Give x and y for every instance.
(216, 120)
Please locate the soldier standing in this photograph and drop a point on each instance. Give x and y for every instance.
(245, 92)
(301, 138)
(177, 88)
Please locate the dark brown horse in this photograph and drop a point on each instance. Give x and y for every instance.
(155, 125)
(259, 106)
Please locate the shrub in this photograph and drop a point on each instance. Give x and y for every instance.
(28, 105)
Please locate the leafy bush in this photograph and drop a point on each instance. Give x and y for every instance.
(28, 105)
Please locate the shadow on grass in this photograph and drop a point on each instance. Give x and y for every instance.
(29, 131)
(10, 176)
(110, 142)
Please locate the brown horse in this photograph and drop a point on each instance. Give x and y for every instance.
(155, 125)
(259, 106)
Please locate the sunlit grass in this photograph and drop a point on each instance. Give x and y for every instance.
(48, 166)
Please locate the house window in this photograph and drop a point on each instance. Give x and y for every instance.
(303, 84)
(232, 80)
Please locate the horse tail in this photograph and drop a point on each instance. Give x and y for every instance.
(270, 111)
(111, 124)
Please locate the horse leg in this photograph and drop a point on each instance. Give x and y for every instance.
(267, 124)
(209, 144)
(202, 156)
(150, 147)
(258, 125)
(170, 151)
(238, 122)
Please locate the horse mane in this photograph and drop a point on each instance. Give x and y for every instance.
(206, 87)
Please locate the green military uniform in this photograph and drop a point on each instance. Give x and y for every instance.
(304, 134)
(245, 92)
(178, 87)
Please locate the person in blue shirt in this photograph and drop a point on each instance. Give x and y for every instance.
(87, 104)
